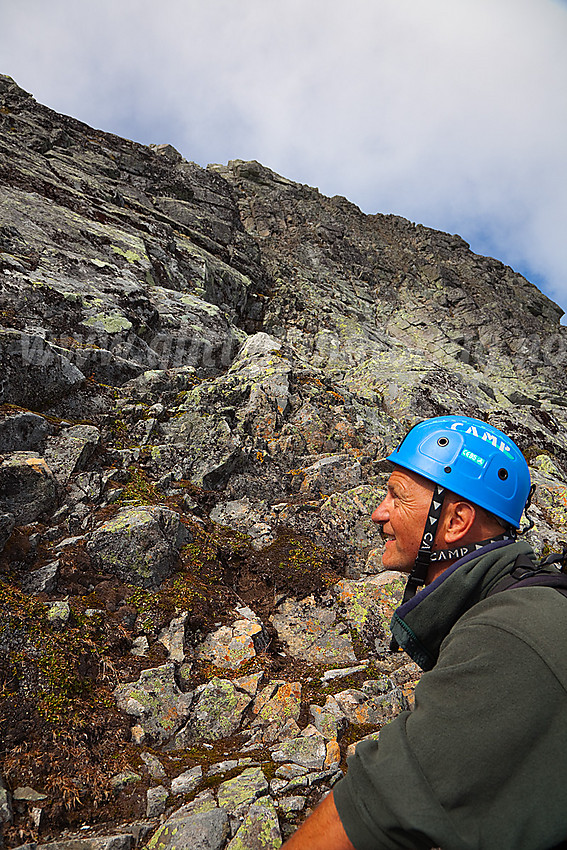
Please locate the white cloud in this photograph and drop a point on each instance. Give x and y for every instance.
(450, 112)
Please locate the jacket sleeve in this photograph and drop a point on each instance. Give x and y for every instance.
(475, 764)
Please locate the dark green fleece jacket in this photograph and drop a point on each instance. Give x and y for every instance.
(481, 761)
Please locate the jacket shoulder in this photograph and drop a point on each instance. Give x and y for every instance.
(535, 616)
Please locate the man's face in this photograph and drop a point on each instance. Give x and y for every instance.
(403, 514)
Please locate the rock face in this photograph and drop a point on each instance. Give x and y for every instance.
(139, 545)
(201, 373)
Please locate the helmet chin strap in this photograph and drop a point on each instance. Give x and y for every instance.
(426, 556)
(418, 575)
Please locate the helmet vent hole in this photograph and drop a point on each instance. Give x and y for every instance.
(503, 474)
(447, 469)
(443, 441)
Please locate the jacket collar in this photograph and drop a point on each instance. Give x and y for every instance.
(421, 625)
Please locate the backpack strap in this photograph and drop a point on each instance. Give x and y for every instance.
(525, 574)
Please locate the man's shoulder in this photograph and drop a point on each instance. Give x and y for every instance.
(535, 616)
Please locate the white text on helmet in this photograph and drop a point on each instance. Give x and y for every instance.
(487, 436)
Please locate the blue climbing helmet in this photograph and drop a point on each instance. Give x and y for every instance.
(472, 459)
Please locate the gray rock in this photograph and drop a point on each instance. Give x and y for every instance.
(291, 805)
(222, 767)
(7, 523)
(123, 841)
(249, 683)
(261, 364)
(212, 452)
(25, 794)
(156, 799)
(156, 702)
(341, 673)
(106, 366)
(70, 451)
(309, 780)
(34, 373)
(217, 713)
(186, 782)
(235, 795)
(314, 633)
(330, 720)
(290, 771)
(140, 645)
(362, 708)
(260, 830)
(306, 752)
(200, 831)
(275, 708)
(139, 545)
(173, 638)
(23, 432)
(6, 814)
(233, 645)
(43, 580)
(154, 766)
(28, 487)
(333, 474)
(366, 604)
(58, 612)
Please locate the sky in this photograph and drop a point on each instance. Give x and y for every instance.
(450, 113)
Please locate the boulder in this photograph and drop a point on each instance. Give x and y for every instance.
(368, 604)
(119, 841)
(5, 804)
(23, 432)
(139, 545)
(34, 373)
(156, 799)
(156, 702)
(71, 450)
(154, 765)
(211, 451)
(200, 831)
(217, 712)
(309, 752)
(278, 703)
(236, 795)
(28, 488)
(234, 645)
(314, 633)
(260, 830)
(43, 580)
(186, 782)
(173, 638)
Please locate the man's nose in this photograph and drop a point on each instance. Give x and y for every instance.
(380, 514)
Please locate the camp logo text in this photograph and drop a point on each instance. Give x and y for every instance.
(487, 437)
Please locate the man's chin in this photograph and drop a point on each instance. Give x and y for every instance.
(395, 564)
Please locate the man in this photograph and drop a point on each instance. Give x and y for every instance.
(481, 761)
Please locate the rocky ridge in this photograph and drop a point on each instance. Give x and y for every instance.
(202, 371)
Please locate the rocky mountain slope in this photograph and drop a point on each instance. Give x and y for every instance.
(201, 373)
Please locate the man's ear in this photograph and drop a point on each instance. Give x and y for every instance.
(458, 521)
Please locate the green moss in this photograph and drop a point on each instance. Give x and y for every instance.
(129, 255)
(57, 659)
(111, 323)
(139, 489)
